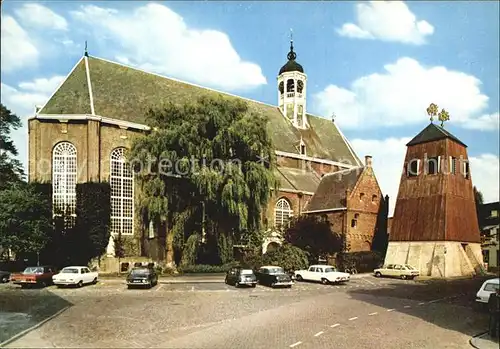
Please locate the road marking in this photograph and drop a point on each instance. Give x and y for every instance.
(421, 303)
(391, 309)
(158, 288)
(434, 301)
(353, 318)
(34, 327)
(407, 306)
(319, 333)
(192, 288)
(336, 325)
(295, 344)
(337, 286)
(375, 313)
(364, 279)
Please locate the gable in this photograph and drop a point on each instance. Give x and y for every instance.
(125, 93)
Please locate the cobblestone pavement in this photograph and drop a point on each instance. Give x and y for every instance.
(365, 312)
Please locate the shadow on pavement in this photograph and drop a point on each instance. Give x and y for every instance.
(454, 307)
(22, 309)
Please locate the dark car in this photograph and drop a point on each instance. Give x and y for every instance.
(241, 276)
(34, 276)
(142, 277)
(273, 276)
(4, 276)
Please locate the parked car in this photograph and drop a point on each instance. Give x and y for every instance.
(402, 271)
(326, 274)
(4, 276)
(142, 277)
(488, 287)
(241, 276)
(273, 276)
(75, 276)
(34, 276)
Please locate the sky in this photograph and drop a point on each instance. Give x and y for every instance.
(376, 65)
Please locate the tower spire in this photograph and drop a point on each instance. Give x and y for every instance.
(291, 55)
(86, 52)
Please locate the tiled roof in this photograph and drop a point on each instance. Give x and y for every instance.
(331, 192)
(431, 133)
(297, 179)
(126, 93)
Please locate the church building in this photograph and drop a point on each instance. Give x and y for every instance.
(81, 133)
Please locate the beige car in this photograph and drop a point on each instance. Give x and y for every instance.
(402, 271)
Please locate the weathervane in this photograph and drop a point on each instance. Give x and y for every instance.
(432, 111)
(86, 52)
(442, 116)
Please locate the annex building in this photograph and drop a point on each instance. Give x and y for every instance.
(83, 130)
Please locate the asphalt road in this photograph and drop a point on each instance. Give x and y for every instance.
(365, 313)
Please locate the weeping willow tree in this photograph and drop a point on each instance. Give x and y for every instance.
(209, 172)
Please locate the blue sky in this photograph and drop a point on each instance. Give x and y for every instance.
(376, 65)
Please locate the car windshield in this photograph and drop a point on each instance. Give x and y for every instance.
(273, 271)
(409, 267)
(491, 287)
(33, 270)
(246, 272)
(139, 272)
(330, 269)
(69, 271)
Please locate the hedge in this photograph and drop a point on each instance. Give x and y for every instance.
(364, 262)
(205, 268)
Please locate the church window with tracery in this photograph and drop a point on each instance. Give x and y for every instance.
(122, 194)
(282, 213)
(64, 174)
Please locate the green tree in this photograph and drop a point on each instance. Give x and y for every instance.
(25, 219)
(288, 257)
(205, 170)
(313, 234)
(11, 170)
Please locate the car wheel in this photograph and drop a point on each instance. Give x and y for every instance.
(43, 284)
(5, 279)
(225, 281)
(403, 277)
(324, 281)
(378, 274)
(94, 281)
(236, 284)
(79, 284)
(299, 278)
(254, 285)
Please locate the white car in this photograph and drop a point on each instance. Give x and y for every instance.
(324, 273)
(75, 275)
(487, 288)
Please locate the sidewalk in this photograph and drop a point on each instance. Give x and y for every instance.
(484, 341)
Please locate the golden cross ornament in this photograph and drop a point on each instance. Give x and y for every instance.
(432, 111)
(443, 116)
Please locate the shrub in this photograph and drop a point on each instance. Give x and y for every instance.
(205, 268)
(288, 257)
(364, 261)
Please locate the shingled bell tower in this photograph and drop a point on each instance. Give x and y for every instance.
(292, 90)
(435, 226)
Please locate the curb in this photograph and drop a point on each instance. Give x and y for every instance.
(474, 337)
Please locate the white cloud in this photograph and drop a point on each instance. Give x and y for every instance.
(401, 94)
(22, 101)
(388, 157)
(18, 49)
(155, 38)
(41, 17)
(387, 21)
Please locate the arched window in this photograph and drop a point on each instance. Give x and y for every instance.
(290, 85)
(64, 172)
(282, 213)
(122, 194)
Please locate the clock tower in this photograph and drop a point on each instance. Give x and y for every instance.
(292, 90)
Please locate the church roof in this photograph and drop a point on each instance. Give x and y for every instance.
(331, 192)
(432, 133)
(127, 93)
(297, 179)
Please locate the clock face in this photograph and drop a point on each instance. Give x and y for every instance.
(300, 86)
(281, 87)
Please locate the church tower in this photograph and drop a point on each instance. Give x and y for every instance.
(292, 90)
(435, 227)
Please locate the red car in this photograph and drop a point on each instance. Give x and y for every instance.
(34, 276)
